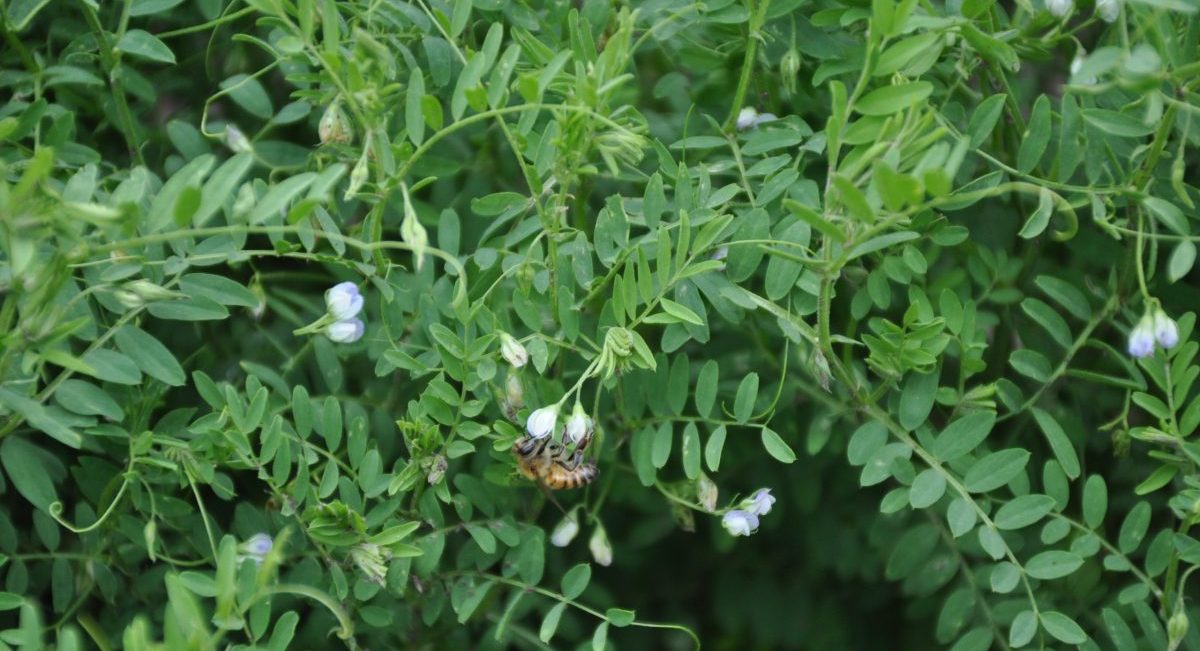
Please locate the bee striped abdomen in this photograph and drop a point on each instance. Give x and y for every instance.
(560, 477)
(550, 463)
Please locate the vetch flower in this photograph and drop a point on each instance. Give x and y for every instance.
(579, 425)
(1108, 10)
(760, 502)
(748, 118)
(542, 421)
(1141, 338)
(601, 549)
(345, 332)
(343, 301)
(1059, 8)
(257, 547)
(564, 532)
(1165, 330)
(740, 523)
(512, 351)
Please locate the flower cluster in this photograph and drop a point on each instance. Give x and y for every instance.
(743, 520)
(340, 322)
(1154, 326)
(542, 423)
(343, 302)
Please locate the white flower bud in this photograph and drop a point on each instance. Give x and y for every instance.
(579, 425)
(759, 503)
(345, 332)
(746, 118)
(1108, 10)
(1165, 330)
(564, 532)
(343, 301)
(542, 421)
(514, 391)
(1141, 339)
(740, 523)
(512, 351)
(601, 549)
(706, 493)
(1059, 8)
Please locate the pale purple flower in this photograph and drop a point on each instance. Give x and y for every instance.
(343, 301)
(760, 502)
(748, 118)
(257, 547)
(1165, 330)
(740, 523)
(1141, 338)
(345, 332)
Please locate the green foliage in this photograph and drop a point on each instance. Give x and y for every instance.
(285, 282)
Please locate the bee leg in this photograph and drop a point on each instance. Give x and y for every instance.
(550, 496)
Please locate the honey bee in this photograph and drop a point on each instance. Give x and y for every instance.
(553, 464)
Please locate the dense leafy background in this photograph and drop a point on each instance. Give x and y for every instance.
(901, 301)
